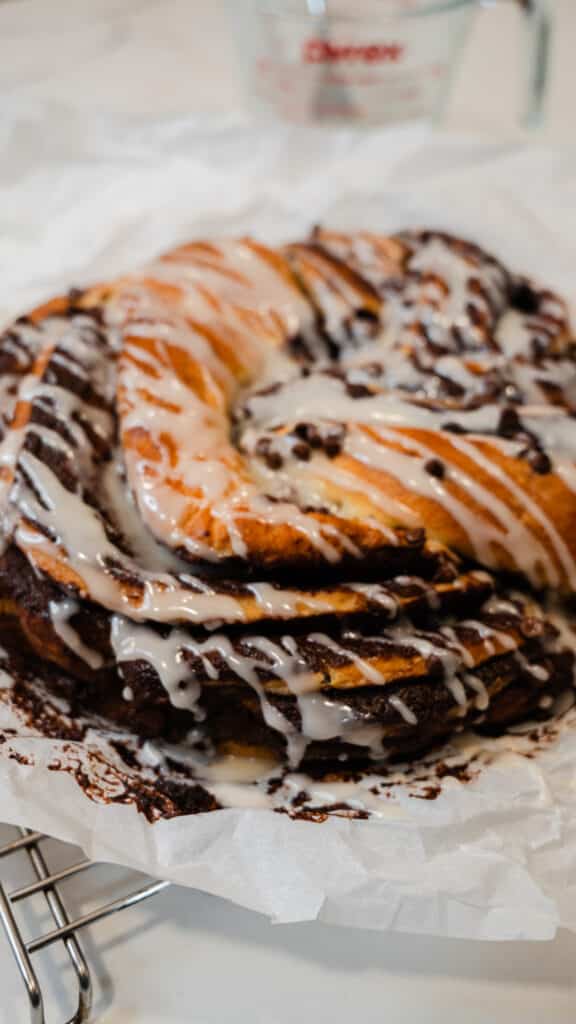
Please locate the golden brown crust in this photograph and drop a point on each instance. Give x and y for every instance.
(330, 269)
(506, 491)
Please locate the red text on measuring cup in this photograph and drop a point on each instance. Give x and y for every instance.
(322, 51)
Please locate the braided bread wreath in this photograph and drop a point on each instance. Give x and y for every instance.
(307, 500)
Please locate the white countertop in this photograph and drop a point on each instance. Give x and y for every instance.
(188, 958)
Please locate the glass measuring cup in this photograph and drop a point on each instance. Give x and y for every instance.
(370, 60)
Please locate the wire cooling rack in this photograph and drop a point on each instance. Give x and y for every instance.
(66, 926)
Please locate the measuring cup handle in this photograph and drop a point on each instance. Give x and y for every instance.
(538, 30)
(537, 26)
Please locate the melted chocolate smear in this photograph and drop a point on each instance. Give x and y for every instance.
(104, 778)
(114, 773)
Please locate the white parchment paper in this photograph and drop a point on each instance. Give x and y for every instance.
(492, 858)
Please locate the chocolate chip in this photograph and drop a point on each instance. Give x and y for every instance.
(366, 314)
(334, 441)
(300, 798)
(524, 298)
(447, 386)
(301, 451)
(435, 467)
(509, 424)
(454, 428)
(539, 461)
(263, 449)
(314, 439)
(273, 460)
(358, 390)
(309, 433)
(333, 447)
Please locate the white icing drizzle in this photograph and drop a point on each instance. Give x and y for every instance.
(393, 453)
(78, 528)
(218, 284)
(240, 278)
(324, 719)
(160, 404)
(132, 643)
(476, 684)
(55, 336)
(378, 595)
(567, 472)
(403, 710)
(60, 614)
(565, 557)
(538, 672)
(482, 532)
(322, 716)
(438, 258)
(372, 674)
(118, 500)
(167, 657)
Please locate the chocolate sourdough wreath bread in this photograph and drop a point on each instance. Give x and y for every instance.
(312, 499)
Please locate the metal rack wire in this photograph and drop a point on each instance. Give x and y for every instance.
(66, 926)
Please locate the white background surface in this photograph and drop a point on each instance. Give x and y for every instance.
(187, 958)
(178, 56)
